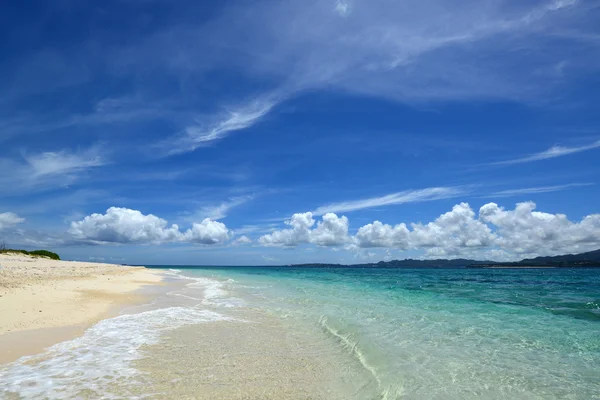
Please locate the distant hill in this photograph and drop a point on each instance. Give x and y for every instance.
(408, 263)
(589, 259)
(439, 263)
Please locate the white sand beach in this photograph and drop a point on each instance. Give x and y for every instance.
(45, 301)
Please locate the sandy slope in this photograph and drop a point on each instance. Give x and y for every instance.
(41, 293)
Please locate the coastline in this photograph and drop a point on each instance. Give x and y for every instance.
(211, 333)
(253, 355)
(44, 302)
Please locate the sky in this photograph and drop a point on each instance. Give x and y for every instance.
(278, 132)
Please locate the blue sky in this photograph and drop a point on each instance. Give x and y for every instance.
(406, 129)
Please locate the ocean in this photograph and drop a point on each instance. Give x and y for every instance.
(347, 333)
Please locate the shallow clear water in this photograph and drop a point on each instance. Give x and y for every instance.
(445, 333)
(382, 334)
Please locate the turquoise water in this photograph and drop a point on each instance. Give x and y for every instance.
(382, 333)
(443, 333)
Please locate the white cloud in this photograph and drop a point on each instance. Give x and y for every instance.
(528, 232)
(39, 171)
(263, 228)
(9, 219)
(207, 232)
(221, 211)
(539, 189)
(123, 225)
(63, 162)
(409, 51)
(449, 234)
(378, 234)
(203, 134)
(342, 7)
(330, 231)
(454, 232)
(298, 233)
(240, 241)
(494, 234)
(553, 152)
(408, 196)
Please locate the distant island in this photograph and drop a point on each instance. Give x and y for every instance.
(590, 260)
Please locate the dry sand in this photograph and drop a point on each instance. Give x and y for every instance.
(45, 301)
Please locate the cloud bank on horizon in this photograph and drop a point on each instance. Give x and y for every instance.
(492, 233)
(227, 118)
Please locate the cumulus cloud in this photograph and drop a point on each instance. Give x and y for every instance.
(453, 232)
(207, 232)
(9, 219)
(378, 234)
(526, 231)
(299, 232)
(330, 231)
(123, 225)
(495, 233)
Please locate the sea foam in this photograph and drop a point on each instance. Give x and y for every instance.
(97, 360)
(214, 293)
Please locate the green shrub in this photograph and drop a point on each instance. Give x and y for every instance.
(45, 253)
(35, 253)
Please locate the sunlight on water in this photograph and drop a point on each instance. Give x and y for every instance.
(337, 334)
(453, 333)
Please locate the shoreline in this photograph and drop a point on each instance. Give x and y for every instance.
(44, 302)
(255, 353)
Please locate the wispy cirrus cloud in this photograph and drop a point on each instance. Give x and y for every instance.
(411, 51)
(385, 49)
(117, 111)
(240, 241)
(48, 169)
(220, 211)
(408, 196)
(203, 133)
(256, 228)
(553, 152)
(538, 189)
(63, 161)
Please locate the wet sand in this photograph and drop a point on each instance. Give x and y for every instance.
(259, 359)
(43, 302)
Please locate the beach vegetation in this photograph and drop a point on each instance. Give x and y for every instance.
(34, 253)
